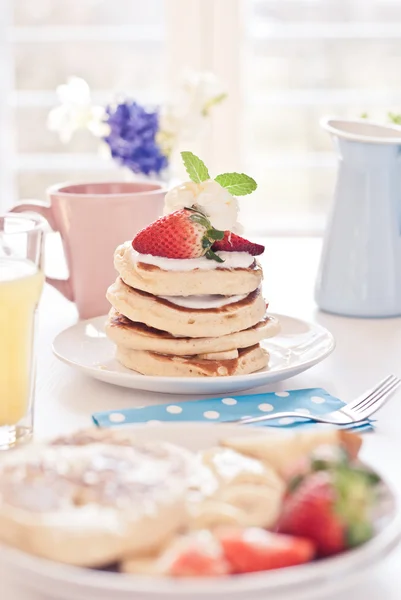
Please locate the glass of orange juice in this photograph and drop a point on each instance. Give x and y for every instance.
(21, 283)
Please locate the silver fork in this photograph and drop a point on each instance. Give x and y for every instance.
(360, 409)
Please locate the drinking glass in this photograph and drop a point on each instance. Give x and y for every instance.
(21, 283)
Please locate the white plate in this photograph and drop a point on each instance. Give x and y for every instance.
(307, 582)
(299, 346)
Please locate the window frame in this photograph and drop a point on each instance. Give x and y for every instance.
(213, 35)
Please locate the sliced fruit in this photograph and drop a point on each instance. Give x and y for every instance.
(234, 243)
(253, 549)
(196, 555)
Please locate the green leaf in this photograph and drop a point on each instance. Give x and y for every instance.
(215, 234)
(394, 118)
(358, 533)
(200, 219)
(238, 184)
(196, 168)
(206, 243)
(213, 256)
(195, 209)
(212, 102)
(294, 483)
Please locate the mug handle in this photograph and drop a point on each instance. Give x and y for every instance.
(64, 286)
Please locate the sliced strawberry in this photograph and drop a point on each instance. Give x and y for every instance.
(251, 550)
(234, 243)
(197, 554)
(332, 508)
(196, 563)
(186, 233)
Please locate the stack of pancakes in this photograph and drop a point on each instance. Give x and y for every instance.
(159, 328)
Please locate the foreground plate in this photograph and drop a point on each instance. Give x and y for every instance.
(307, 582)
(299, 346)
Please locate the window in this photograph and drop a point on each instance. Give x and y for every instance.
(302, 59)
(285, 64)
(118, 45)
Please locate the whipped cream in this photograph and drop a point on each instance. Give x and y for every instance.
(210, 197)
(204, 301)
(232, 260)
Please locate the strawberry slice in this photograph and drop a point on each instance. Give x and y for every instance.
(196, 563)
(234, 243)
(332, 508)
(186, 233)
(250, 550)
(195, 555)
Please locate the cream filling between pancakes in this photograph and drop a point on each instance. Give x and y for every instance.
(232, 260)
(203, 301)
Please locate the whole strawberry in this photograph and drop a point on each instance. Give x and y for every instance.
(186, 233)
(332, 508)
(234, 243)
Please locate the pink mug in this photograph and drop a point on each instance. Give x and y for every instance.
(93, 218)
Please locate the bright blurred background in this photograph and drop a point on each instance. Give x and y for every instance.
(284, 64)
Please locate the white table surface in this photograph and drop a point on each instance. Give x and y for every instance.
(366, 351)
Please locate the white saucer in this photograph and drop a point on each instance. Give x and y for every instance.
(299, 346)
(311, 581)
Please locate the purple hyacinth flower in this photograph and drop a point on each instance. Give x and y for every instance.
(132, 138)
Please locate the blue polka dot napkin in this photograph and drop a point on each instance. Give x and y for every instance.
(227, 408)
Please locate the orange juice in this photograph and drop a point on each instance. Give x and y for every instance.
(21, 284)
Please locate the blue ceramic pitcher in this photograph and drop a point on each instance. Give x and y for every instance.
(360, 266)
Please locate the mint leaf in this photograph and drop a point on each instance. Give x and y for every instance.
(196, 169)
(238, 184)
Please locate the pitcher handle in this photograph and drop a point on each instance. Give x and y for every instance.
(64, 286)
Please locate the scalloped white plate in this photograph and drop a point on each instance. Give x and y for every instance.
(299, 346)
(307, 582)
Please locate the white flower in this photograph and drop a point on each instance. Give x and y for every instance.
(211, 198)
(75, 91)
(76, 111)
(184, 118)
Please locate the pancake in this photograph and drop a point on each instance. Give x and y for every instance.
(89, 505)
(139, 336)
(150, 363)
(152, 279)
(161, 314)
